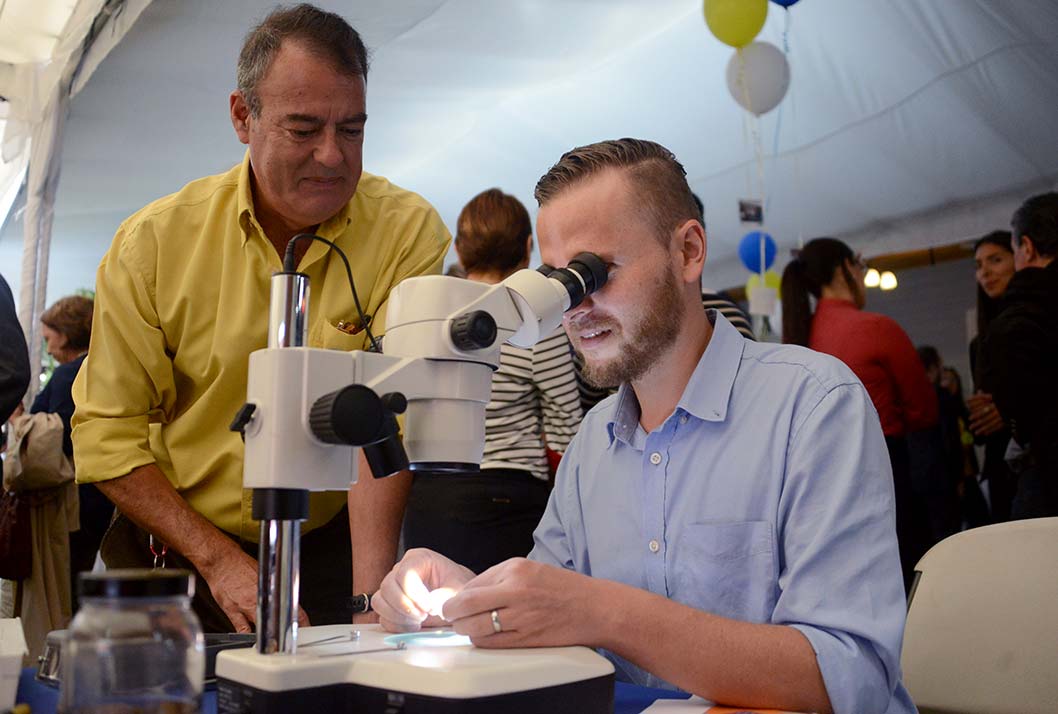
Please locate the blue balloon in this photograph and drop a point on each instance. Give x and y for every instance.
(749, 251)
(785, 3)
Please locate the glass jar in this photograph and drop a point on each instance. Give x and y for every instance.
(135, 646)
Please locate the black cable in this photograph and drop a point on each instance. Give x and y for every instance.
(290, 267)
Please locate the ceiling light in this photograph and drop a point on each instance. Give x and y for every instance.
(887, 281)
(872, 278)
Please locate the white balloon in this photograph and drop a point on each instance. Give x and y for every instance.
(758, 76)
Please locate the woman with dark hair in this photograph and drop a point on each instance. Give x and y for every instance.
(481, 519)
(874, 347)
(994, 261)
(66, 327)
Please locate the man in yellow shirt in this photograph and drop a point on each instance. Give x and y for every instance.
(182, 300)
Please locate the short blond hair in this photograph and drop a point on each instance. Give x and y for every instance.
(656, 176)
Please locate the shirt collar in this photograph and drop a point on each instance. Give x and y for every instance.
(708, 392)
(329, 229)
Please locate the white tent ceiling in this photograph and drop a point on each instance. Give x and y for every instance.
(908, 123)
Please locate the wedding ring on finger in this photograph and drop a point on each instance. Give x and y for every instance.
(496, 626)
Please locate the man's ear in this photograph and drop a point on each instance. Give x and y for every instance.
(690, 237)
(1027, 245)
(240, 116)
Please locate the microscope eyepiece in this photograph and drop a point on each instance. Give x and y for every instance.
(591, 269)
(584, 275)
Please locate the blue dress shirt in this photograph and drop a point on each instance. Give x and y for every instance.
(766, 496)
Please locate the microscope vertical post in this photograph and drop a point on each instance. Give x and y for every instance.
(281, 511)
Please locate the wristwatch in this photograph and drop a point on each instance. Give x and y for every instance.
(361, 603)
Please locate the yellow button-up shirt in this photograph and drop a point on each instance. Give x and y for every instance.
(182, 300)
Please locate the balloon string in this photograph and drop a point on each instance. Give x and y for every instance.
(751, 134)
(795, 189)
(746, 135)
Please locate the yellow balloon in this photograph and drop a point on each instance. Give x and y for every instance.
(771, 280)
(736, 22)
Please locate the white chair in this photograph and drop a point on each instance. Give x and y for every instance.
(982, 627)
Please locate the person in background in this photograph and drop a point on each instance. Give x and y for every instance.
(66, 327)
(14, 356)
(1018, 357)
(874, 347)
(481, 519)
(973, 508)
(937, 461)
(994, 261)
(182, 300)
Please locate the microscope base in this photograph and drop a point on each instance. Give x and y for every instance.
(370, 674)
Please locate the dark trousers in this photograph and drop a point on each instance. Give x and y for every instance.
(476, 519)
(906, 534)
(96, 512)
(326, 570)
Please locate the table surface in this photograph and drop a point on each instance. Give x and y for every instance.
(42, 699)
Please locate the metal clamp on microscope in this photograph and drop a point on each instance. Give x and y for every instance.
(306, 406)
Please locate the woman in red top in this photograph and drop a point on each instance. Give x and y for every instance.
(874, 347)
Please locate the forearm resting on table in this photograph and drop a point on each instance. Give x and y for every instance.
(723, 660)
(376, 509)
(146, 496)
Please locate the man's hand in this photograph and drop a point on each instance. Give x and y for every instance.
(985, 419)
(536, 605)
(147, 497)
(412, 594)
(232, 579)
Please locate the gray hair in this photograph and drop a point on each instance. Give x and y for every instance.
(322, 33)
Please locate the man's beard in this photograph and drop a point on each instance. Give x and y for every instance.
(645, 340)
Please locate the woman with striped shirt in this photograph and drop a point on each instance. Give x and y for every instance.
(481, 519)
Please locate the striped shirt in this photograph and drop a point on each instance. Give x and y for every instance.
(730, 310)
(534, 404)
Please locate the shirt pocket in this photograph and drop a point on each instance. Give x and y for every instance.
(330, 337)
(727, 568)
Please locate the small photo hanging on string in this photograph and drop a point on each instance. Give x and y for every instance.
(750, 211)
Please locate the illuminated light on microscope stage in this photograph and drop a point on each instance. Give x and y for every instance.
(428, 638)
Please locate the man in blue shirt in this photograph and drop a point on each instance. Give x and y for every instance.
(724, 523)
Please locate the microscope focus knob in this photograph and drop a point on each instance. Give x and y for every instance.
(473, 331)
(353, 415)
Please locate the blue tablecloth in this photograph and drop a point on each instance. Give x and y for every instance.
(628, 698)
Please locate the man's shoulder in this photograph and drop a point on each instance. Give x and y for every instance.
(378, 192)
(793, 363)
(1020, 323)
(192, 197)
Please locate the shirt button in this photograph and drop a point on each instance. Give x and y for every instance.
(654, 546)
(655, 458)
(683, 419)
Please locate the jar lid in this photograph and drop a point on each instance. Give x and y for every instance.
(136, 582)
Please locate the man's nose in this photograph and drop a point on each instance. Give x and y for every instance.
(327, 151)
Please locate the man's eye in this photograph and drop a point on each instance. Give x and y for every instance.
(352, 132)
(303, 133)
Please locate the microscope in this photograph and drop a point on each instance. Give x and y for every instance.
(306, 413)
